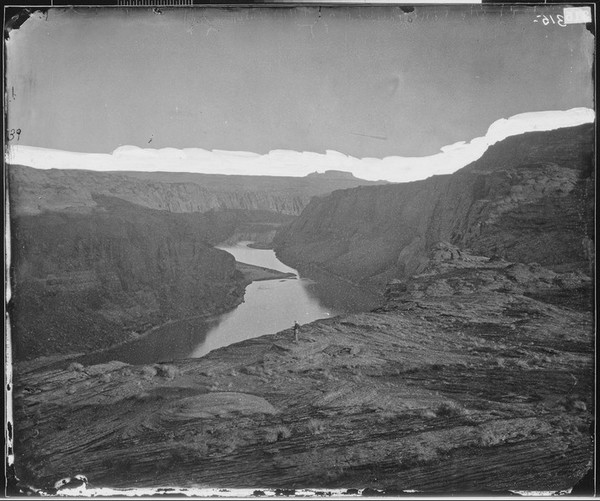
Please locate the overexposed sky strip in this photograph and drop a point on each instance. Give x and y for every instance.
(295, 163)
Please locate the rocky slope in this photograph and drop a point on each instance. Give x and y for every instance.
(34, 191)
(529, 198)
(477, 375)
(87, 281)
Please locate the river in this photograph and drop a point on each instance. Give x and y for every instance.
(269, 306)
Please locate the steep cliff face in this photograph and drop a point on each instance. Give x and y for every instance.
(528, 198)
(86, 281)
(33, 191)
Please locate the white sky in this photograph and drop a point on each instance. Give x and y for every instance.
(294, 163)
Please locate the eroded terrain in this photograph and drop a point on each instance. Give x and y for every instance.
(463, 381)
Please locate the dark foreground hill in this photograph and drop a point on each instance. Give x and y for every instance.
(529, 198)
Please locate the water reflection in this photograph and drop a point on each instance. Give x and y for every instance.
(269, 306)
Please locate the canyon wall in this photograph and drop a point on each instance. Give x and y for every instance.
(528, 198)
(99, 257)
(87, 281)
(33, 191)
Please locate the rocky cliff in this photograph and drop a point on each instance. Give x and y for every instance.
(86, 281)
(34, 191)
(528, 198)
(476, 376)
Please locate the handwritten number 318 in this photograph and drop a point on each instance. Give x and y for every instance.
(14, 132)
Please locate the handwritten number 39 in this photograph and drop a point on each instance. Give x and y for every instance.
(14, 132)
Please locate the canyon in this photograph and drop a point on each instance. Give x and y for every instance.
(476, 374)
(529, 198)
(34, 191)
(100, 258)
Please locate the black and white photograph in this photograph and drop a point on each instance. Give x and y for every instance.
(300, 250)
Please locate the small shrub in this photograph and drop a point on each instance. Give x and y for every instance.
(449, 409)
(490, 438)
(200, 447)
(315, 427)
(251, 370)
(148, 372)
(386, 415)
(230, 443)
(428, 414)
(278, 433)
(167, 371)
(334, 474)
(573, 403)
(418, 455)
(178, 457)
(522, 364)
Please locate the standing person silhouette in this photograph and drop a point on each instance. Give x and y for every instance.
(296, 329)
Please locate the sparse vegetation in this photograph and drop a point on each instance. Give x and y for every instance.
(417, 455)
(428, 414)
(315, 426)
(490, 438)
(449, 409)
(573, 403)
(277, 433)
(126, 371)
(522, 364)
(148, 372)
(167, 371)
(251, 370)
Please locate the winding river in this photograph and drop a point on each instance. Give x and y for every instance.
(269, 306)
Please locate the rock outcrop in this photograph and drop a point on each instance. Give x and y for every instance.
(33, 191)
(529, 198)
(463, 382)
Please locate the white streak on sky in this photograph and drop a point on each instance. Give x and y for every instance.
(295, 163)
